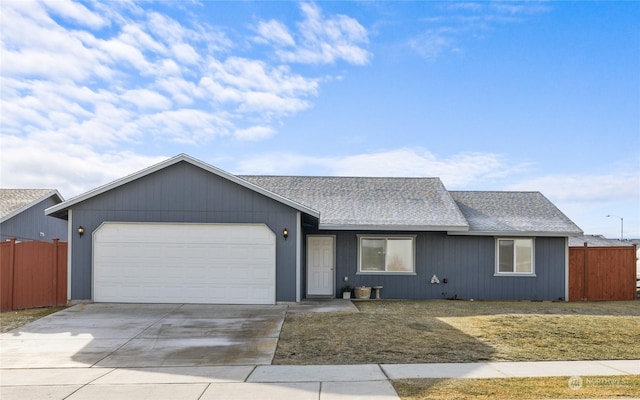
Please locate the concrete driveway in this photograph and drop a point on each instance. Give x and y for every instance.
(146, 335)
(166, 351)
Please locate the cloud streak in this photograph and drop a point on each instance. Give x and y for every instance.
(457, 171)
(460, 21)
(318, 40)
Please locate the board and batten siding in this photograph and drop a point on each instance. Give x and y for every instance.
(28, 224)
(183, 193)
(467, 262)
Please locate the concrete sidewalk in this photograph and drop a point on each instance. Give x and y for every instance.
(324, 382)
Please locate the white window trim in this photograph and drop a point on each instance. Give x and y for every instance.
(531, 274)
(413, 256)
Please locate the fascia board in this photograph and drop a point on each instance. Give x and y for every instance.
(418, 228)
(514, 233)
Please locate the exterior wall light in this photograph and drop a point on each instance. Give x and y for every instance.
(285, 233)
(80, 230)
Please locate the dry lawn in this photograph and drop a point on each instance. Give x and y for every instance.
(519, 388)
(10, 320)
(460, 331)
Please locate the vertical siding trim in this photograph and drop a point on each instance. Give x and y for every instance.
(566, 269)
(298, 255)
(69, 253)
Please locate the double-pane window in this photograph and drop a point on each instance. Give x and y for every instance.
(515, 256)
(386, 254)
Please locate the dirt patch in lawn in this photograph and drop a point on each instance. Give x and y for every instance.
(627, 386)
(10, 320)
(459, 331)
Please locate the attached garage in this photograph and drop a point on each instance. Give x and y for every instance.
(184, 263)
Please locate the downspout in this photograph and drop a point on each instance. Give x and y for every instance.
(69, 253)
(298, 255)
(566, 269)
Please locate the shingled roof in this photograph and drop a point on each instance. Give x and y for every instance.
(384, 204)
(14, 201)
(513, 213)
(371, 203)
(419, 204)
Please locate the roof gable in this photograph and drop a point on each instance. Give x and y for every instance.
(60, 210)
(15, 201)
(513, 213)
(371, 203)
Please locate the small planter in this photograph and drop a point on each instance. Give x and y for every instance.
(362, 292)
(346, 295)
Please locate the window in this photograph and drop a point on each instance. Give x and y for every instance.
(515, 256)
(386, 254)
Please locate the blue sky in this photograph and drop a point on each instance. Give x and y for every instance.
(541, 96)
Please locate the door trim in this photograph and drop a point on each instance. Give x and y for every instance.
(306, 263)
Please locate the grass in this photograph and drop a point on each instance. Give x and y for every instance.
(10, 320)
(519, 388)
(460, 331)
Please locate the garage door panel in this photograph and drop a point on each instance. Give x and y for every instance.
(184, 263)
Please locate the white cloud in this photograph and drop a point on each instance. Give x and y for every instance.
(461, 21)
(321, 40)
(146, 99)
(434, 42)
(84, 85)
(455, 171)
(587, 199)
(76, 12)
(254, 133)
(618, 185)
(274, 32)
(70, 168)
(147, 77)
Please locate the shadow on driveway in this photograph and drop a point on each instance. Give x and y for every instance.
(146, 335)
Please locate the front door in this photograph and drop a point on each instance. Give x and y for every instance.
(320, 265)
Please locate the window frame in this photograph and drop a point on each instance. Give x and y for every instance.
(386, 238)
(497, 271)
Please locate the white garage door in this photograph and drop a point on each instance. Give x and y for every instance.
(184, 263)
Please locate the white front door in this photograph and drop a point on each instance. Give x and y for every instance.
(320, 265)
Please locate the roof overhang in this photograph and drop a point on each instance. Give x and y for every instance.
(403, 228)
(514, 233)
(60, 210)
(15, 212)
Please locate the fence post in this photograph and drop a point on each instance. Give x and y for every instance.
(54, 264)
(584, 272)
(12, 262)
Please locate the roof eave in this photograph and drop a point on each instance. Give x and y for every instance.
(416, 228)
(50, 193)
(517, 233)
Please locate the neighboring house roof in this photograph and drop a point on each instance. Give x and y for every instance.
(371, 203)
(60, 210)
(15, 201)
(598, 240)
(513, 213)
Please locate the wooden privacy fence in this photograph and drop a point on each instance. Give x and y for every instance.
(32, 274)
(602, 273)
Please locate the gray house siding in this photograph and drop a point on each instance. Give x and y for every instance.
(467, 262)
(28, 224)
(183, 193)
